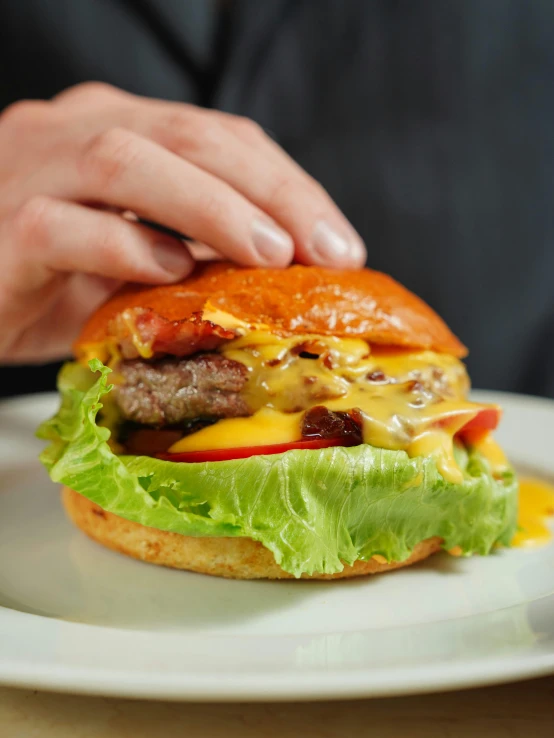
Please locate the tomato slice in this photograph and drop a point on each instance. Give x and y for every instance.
(485, 420)
(227, 454)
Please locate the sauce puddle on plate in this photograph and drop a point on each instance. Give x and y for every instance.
(536, 505)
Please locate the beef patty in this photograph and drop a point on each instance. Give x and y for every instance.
(170, 391)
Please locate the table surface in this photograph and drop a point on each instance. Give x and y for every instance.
(509, 711)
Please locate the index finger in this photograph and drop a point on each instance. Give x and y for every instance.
(238, 152)
(122, 169)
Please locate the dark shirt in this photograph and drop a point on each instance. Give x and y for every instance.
(431, 123)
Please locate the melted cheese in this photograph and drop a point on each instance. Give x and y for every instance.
(492, 452)
(266, 426)
(107, 352)
(536, 504)
(89, 351)
(277, 391)
(421, 419)
(144, 348)
(228, 321)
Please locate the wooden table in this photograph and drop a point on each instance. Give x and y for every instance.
(525, 709)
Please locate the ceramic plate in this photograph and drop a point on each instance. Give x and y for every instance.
(77, 617)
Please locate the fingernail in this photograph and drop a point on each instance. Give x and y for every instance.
(327, 243)
(330, 245)
(274, 245)
(359, 251)
(173, 258)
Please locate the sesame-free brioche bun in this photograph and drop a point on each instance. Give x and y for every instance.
(234, 558)
(299, 300)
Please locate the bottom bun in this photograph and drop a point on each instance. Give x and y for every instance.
(235, 558)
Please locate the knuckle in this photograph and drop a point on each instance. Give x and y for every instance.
(111, 242)
(281, 192)
(212, 211)
(209, 132)
(92, 90)
(108, 156)
(248, 128)
(24, 113)
(316, 190)
(290, 190)
(30, 221)
(175, 129)
(176, 120)
(187, 134)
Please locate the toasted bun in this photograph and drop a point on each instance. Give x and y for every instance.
(235, 558)
(364, 304)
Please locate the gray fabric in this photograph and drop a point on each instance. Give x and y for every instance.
(430, 122)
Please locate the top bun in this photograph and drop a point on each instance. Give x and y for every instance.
(301, 299)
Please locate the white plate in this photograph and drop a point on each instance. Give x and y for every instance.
(77, 617)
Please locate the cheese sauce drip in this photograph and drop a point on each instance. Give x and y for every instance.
(536, 505)
(410, 400)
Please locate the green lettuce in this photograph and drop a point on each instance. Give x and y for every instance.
(313, 509)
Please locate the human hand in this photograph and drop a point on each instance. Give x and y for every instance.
(69, 169)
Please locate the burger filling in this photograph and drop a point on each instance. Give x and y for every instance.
(183, 387)
(176, 391)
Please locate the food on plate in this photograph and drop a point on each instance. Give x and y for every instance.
(536, 508)
(256, 423)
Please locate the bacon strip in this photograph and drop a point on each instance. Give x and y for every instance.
(142, 332)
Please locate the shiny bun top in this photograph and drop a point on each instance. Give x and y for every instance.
(301, 299)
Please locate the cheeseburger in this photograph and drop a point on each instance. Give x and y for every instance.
(255, 423)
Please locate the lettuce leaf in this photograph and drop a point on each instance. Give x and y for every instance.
(312, 509)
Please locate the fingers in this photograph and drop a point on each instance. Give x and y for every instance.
(125, 170)
(238, 152)
(46, 241)
(50, 236)
(92, 94)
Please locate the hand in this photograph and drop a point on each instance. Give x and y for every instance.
(72, 166)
